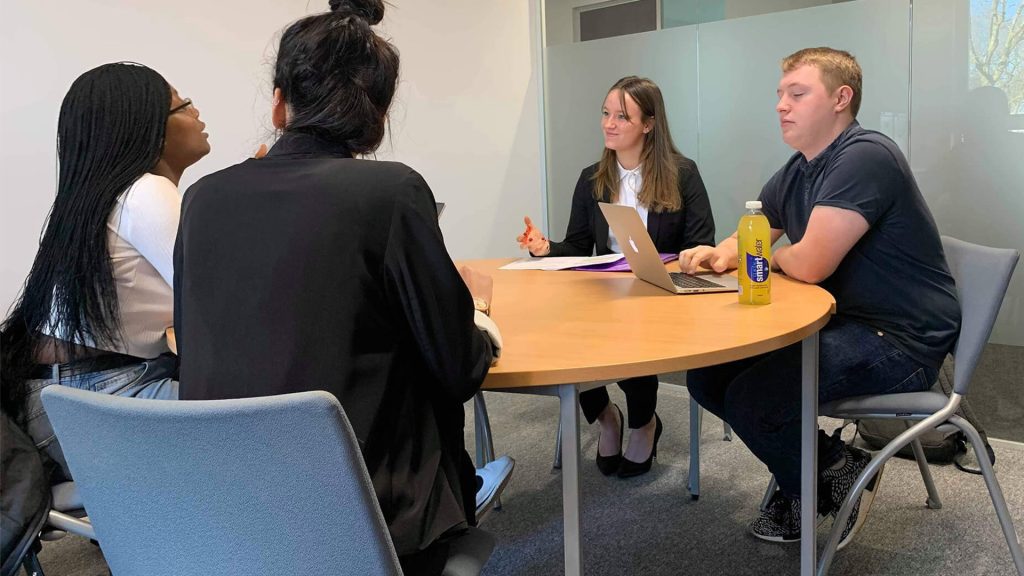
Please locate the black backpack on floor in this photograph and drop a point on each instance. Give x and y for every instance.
(939, 447)
(24, 495)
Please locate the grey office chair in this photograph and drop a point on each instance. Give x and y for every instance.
(484, 440)
(272, 485)
(982, 275)
(66, 516)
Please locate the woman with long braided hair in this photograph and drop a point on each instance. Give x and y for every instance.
(98, 299)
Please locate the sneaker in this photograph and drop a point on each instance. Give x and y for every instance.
(838, 484)
(495, 476)
(780, 520)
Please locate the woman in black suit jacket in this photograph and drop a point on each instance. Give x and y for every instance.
(312, 269)
(640, 167)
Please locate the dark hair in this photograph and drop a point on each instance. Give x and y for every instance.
(337, 76)
(110, 132)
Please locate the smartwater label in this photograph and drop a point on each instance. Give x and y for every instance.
(757, 268)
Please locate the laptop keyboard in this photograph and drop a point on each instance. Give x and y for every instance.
(689, 281)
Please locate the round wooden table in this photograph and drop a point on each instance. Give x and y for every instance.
(564, 331)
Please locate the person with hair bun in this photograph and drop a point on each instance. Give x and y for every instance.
(313, 268)
(97, 302)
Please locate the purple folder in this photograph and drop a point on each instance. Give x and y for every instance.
(622, 265)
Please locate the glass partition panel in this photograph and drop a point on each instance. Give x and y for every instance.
(959, 116)
(740, 141)
(726, 122)
(583, 20)
(968, 131)
(578, 78)
(686, 12)
(616, 19)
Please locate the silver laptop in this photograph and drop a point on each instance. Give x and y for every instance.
(643, 257)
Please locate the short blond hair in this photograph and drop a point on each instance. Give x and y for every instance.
(837, 68)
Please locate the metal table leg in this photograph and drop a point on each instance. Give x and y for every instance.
(808, 455)
(568, 396)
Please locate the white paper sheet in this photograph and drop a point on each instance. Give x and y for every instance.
(560, 262)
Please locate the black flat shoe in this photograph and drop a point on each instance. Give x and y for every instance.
(609, 465)
(628, 468)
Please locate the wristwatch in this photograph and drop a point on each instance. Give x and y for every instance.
(482, 305)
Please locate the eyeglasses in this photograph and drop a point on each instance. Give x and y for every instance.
(185, 106)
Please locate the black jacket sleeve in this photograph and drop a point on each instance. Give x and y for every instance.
(424, 285)
(698, 222)
(179, 265)
(579, 235)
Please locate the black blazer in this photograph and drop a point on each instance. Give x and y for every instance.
(691, 226)
(311, 270)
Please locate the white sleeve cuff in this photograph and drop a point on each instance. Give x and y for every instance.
(485, 323)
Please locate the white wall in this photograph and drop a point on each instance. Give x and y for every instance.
(467, 113)
(217, 53)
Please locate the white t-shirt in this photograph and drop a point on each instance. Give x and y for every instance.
(630, 182)
(141, 232)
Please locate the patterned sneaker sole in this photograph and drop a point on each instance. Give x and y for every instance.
(784, 539)
(866, 499)
(788, 538)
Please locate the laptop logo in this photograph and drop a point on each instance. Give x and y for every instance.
(633, 245)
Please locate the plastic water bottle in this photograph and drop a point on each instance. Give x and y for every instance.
(754, 240)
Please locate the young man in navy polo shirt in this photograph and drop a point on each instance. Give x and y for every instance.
(859, 228)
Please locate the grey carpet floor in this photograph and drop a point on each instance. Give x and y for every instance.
(649, 525)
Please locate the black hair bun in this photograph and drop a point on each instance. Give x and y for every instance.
(370, 10)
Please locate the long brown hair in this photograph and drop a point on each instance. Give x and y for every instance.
(659, 191)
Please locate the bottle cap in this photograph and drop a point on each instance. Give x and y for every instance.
(753, 205)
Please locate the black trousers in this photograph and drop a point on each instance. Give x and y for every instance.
(641, 400)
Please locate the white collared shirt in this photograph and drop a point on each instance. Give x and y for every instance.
(630, 182)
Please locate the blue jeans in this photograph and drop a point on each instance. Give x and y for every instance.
(760, 396)
(150, 379)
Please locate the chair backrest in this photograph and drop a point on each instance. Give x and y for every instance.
(272, 485)
(982, 275)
